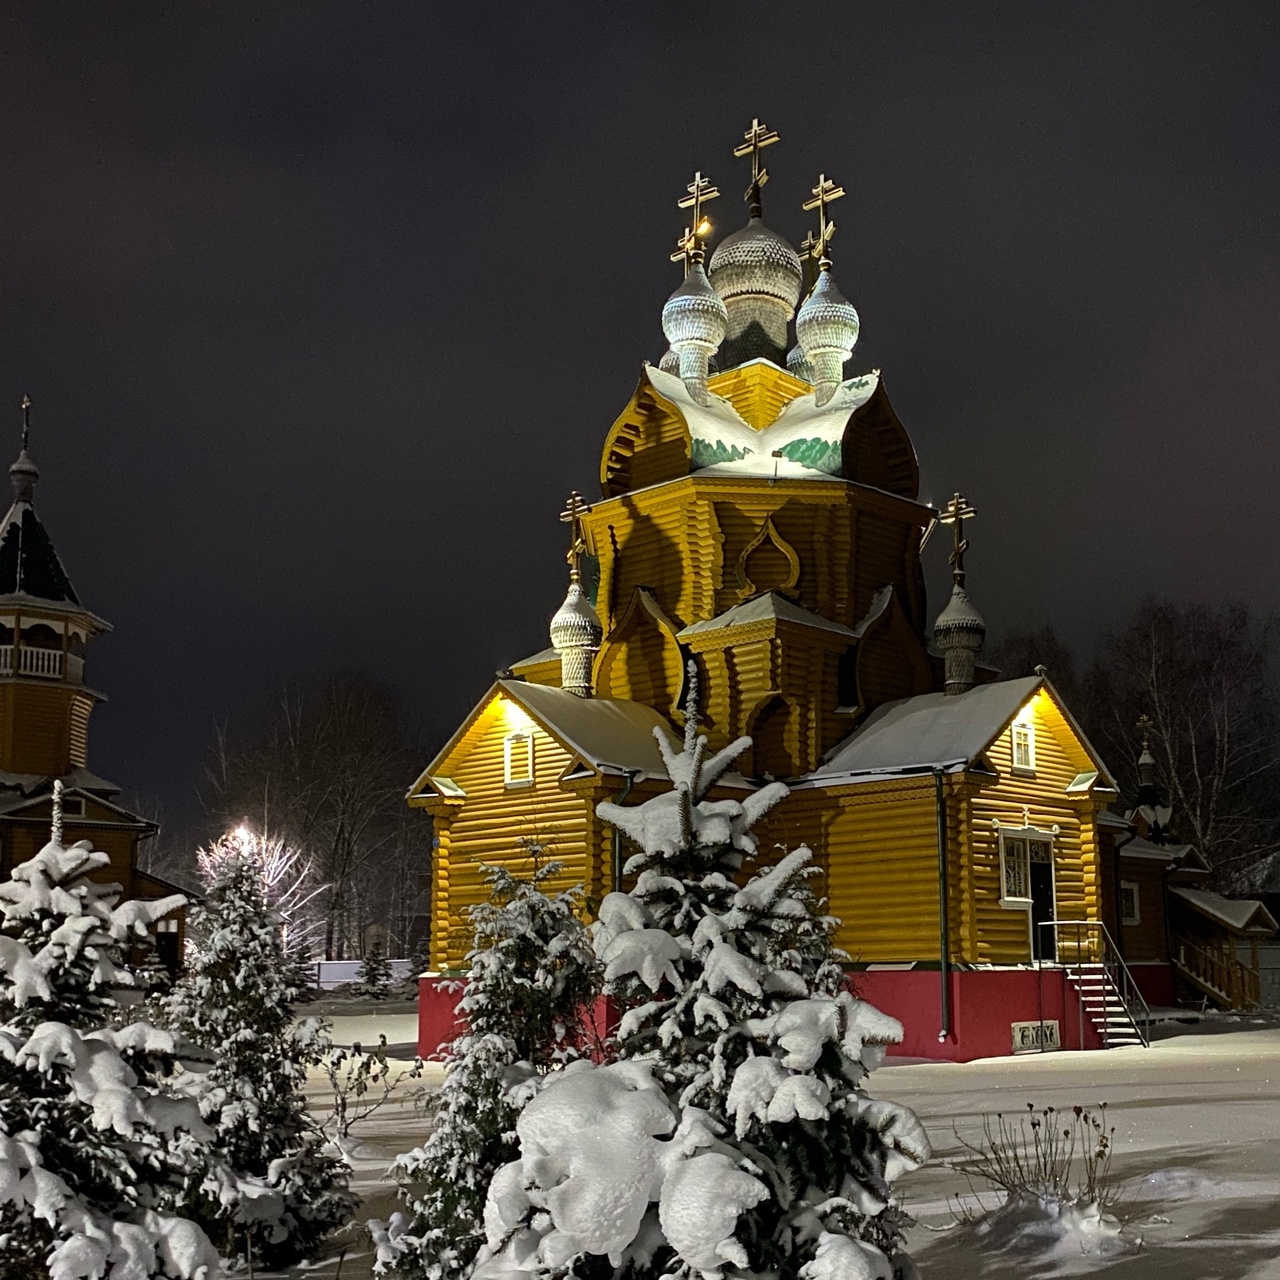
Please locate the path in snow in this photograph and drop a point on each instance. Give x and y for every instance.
(1197, 1121)
(1197, 1142)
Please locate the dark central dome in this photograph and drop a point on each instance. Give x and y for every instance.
(758, 275)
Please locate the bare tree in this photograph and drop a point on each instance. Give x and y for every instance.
(1020, 653)
(328, 774)
(1206, 679)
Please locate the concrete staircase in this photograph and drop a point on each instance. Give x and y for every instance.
(1103, 1005)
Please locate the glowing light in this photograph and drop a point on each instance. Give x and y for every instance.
(515, 718)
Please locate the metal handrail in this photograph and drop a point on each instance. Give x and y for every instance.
(1126, 988)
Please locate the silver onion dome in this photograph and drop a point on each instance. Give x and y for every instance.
(827, 331)
(694, 321)
(758, 274)
(958, 635)
(798, 365)
(575, 635)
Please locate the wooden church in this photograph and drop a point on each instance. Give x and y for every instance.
(759, 529)
(45, 705)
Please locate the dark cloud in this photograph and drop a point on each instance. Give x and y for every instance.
(324, 307)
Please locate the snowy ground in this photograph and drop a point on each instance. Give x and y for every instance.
(1197, 1122)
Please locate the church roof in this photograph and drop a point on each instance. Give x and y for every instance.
(612, 735)
(931, 731)
(1240, 915)
(763, 608)
(29, 565)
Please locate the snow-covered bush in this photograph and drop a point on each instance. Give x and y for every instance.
(735, 1131)
(532, 975)
(95, 1138)
(232, 1002)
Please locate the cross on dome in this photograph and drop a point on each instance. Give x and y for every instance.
(823, 194)
(700, 191)
(575, 508)
(686, 247)
(26, 421)
(956, 512)
(757, 138)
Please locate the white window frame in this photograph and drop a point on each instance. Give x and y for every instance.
(1024, 836)
(1027, 730)
(1136, 917)
(517, 758)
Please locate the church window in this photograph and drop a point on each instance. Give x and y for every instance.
(1130, 908)
(1015, 870)
(517, 759)
(1024, 745)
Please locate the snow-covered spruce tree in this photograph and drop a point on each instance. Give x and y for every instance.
(735, 1130)
(232, 1002)
(533, 974)
(94, 1141)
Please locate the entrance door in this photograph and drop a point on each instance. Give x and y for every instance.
(1043, 943)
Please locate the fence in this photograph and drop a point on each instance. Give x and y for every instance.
(334, 973)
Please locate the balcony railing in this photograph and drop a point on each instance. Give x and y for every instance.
(44, 663)
(1226, 979)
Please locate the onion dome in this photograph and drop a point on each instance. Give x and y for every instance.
(23, 475)
(575, 635)
(670, 362)
(798, 365)
(958, 635)
(826, 330)
(758, 275)
(694, 321)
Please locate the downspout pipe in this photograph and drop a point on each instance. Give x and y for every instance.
(944, 929)
(631, 775)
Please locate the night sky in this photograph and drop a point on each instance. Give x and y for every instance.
(324, 308)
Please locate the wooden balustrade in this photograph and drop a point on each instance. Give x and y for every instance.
(1219, 973)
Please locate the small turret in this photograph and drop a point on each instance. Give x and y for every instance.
(959, 631)
(694, 321)
(575, 630)
(826, 324)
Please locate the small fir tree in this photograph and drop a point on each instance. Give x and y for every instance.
(233, 1002)
(735, 1130)
(375, 973)
(533, 974)
(95, 1137)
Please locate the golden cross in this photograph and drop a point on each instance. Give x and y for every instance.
(1145, 725)
(956, 512)
(823, 194)
(574, 510)
(757, 138)
(26, 419)
(808, 256)
(686, 247)
(700, 191)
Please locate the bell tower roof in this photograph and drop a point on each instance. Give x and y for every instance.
(29, 565)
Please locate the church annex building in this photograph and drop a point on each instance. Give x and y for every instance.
(759, 529)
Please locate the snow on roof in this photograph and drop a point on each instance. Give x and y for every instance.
(613, 735)
(1140, 848)
(536, 659)
(807, 438)
(932, 730)
(761, 609)
(77, 779)
(28, 563)
(1243, 915)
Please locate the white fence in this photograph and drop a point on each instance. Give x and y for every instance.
(333, 973)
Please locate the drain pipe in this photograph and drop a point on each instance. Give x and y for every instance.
(944, 933)
(631, 775)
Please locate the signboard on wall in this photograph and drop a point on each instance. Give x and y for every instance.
(1033, 1037)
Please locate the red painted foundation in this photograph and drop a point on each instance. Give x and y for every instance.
(984, 1005)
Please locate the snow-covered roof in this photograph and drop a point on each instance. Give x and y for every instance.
(930, 731)
(763, 608)
(1242, 915)
(613, 735)
(536, 659)
(1151, 851)
(807, 438)
(78, 779)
